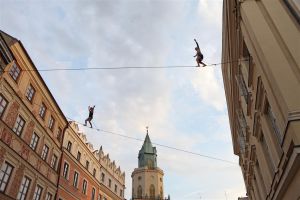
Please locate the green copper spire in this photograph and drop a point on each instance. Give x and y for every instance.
(147, 154)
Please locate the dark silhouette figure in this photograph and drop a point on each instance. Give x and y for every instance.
(199, 55)
(91, 113)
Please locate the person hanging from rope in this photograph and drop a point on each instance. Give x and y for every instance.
(199, 55)
(91, 113)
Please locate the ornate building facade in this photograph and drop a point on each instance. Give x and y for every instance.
(87, 173)
(31, 126)
(147, 179)
(42, 155)
(261, 73)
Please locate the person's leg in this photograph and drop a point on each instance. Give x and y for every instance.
(203, 64)
(90, 124)
(198, 61)
(85, 121)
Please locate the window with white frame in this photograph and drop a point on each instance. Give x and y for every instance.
(3, 105)
(30, 93)
(15, 71)
(51, 123)
(78, 156)
(66, 170)
(42, 111)
(49, 196)
(87, 164)
(5, 173)
(19, 125)
(59, 133)
(37, 193)
(45, 152)
(102, 177)
(69, 146)
(34, 141)
(54, 161)
(75, 179)
(84, 186)
(24, 188)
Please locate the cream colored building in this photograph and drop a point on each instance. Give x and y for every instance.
(147, 179)
(261, 72)
(31, 127)
(88, 173)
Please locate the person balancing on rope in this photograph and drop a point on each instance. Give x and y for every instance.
(199, 55)
(91, 113)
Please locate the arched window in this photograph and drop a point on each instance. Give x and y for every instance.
(140, 192)
(161, 192)
(152, 191)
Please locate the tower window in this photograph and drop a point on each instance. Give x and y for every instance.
(152, 191)
(140, 192)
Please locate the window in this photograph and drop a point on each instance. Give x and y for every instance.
(66, 170)
(23, 188)
(3, 105)
(121, 193)
(30, 93)
(102, 177)
(75, 179)
(84, 186)
(69, 146)
(273, 121)
(45, 152)
(51, 123)
(99, 197)
(54, 161)
(59, 133)
(15, 72)
(42, 111)
(19, 125)
(87, 163)
(93, 194)
(34, 141)
(78, 156)
(140, 192)
(49, 196)
(109, 183)
(37, 193)
(5, 174)
(94, 172)
(152, 191)
(116, 188)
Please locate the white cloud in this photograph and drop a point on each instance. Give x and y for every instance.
(211, 11)
(209, 88)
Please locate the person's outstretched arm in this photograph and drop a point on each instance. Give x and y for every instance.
(197, 43)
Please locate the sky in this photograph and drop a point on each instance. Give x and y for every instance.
(184, 107)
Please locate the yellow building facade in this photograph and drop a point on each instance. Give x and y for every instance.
(31, 126)
(88, 173)
(261, 73)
